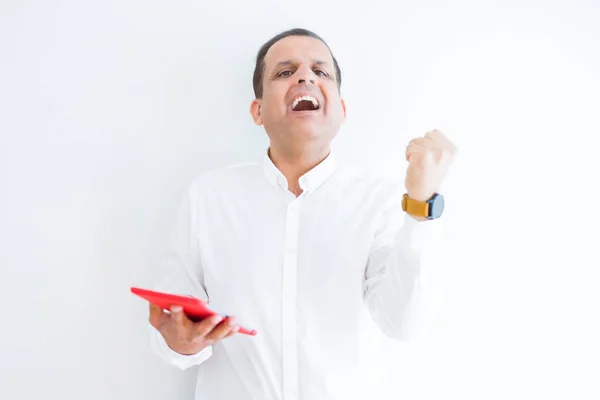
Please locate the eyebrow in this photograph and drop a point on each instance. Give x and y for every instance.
(292, 62)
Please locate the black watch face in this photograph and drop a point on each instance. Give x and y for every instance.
(437, 206)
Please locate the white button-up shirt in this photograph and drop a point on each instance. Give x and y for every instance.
(308, 273)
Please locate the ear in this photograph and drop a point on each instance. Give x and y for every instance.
(344, 108)
(255, 111)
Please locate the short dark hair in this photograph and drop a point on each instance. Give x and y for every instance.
(259, 69)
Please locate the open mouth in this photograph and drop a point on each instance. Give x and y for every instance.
(305, 103)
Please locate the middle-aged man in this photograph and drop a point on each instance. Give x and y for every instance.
(299, 247)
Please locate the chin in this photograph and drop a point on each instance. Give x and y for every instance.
(304, 136)
(306, 132)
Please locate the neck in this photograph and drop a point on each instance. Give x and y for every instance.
(293, 163)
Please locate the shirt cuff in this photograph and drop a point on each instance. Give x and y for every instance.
(176, 359)
(422, 234)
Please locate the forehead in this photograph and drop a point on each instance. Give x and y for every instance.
(300, 48)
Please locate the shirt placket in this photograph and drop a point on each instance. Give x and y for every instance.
(289, 306)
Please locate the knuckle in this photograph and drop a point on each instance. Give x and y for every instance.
(418, 155)
(208, 337)
(183, 337)
(199, 340)
(156, 321)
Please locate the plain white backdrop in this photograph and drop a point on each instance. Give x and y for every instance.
(109, 108)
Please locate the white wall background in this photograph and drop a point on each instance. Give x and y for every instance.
(109, 108)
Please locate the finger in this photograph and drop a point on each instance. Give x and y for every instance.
(439, 137)
(156, 317)
(418, 141)
(436, 135)
(233, 332)
(421, 155)
(178, 316)
(421, 145)
(205, 326)
(415, 149)
(223, 329)
(436, 148)
(428, 142)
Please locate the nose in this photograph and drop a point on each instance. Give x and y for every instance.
(305, 74)
(304, 80)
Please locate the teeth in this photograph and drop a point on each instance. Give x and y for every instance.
(308, 98)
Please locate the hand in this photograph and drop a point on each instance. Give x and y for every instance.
(429, 158)
(187, 337)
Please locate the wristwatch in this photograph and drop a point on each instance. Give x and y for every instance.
(430, 209)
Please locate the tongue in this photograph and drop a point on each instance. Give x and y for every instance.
(304, 105)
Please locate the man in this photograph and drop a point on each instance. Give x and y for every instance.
(298, 247)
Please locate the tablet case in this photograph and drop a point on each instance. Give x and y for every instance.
(195, 309)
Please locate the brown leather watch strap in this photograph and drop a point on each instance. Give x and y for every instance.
(415, 207)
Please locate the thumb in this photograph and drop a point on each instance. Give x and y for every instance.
(177, 314)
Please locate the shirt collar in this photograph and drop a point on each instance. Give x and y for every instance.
(309, 182)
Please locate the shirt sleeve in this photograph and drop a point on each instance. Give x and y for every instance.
(405, 272)
(171, 357)
(181, 273)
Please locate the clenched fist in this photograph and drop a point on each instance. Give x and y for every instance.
(428, 160)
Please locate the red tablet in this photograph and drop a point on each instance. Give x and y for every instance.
(195, 309)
